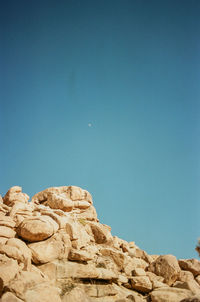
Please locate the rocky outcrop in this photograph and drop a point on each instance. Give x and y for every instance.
(53, 247)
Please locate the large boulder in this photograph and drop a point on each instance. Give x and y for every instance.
(16, 249)
(15, 195)
(36, 229)
(192, 265)
(167, 267)
(56, 247)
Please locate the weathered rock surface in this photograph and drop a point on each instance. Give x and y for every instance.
(192, 265)
(55, 248)
(167, 267)
(168, 294)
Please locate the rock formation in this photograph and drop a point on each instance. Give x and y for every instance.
(54, 248)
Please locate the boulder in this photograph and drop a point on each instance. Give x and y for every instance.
(15, 195)
(192, 285)
(35, 229)
(167, 267)
(23, 252)
(131, 264)
(185, 276)
(59, 201)
(71, 192)
(6, 221)
(117, 257)
(22, 255)
(138, 272)
(7, 232)
(101, 233)
(192, 265)
(169, 294)
(141, 284)
(80, 255)
(56, 247)
(77, 230)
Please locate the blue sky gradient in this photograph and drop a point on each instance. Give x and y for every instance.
(130, 68)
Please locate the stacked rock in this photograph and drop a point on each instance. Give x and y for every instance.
(55, 248)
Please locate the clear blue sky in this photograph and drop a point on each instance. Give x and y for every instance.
(131, 68)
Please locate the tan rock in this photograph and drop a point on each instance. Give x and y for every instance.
(167, 267)
(80, 255)
(42, 292)
(21, 208)
(6, 221)
(8, 270)
(35, 229)
(141, 284)
(169, 294)
(24, 281)
(192, 285)
(68, 269)
(17, 254)
(3, 240)
(7, 232)
(101, 233)
(14, 195)
(129, 295)
(121, 244)
(71, 192)
(81, 204)
(61, 220)
(9, 297)
(192, 265)
(59, 201)
(47, 218)
(133, 263)
(75, 295)
(198, 279)
(158, 284)
(23, 252)
(49, 269)
(56, 247)
(154, 277)
(77, 193)
(89, 214)
(157, 281)
(122, 279)
(76, 229)
(116, 256)
(98, 290)
(185, 276)
(138, 272)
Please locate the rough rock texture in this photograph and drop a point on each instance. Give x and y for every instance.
(53, 248)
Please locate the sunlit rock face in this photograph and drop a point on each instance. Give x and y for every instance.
(53, 247)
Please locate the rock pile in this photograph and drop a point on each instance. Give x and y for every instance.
(54, 248)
